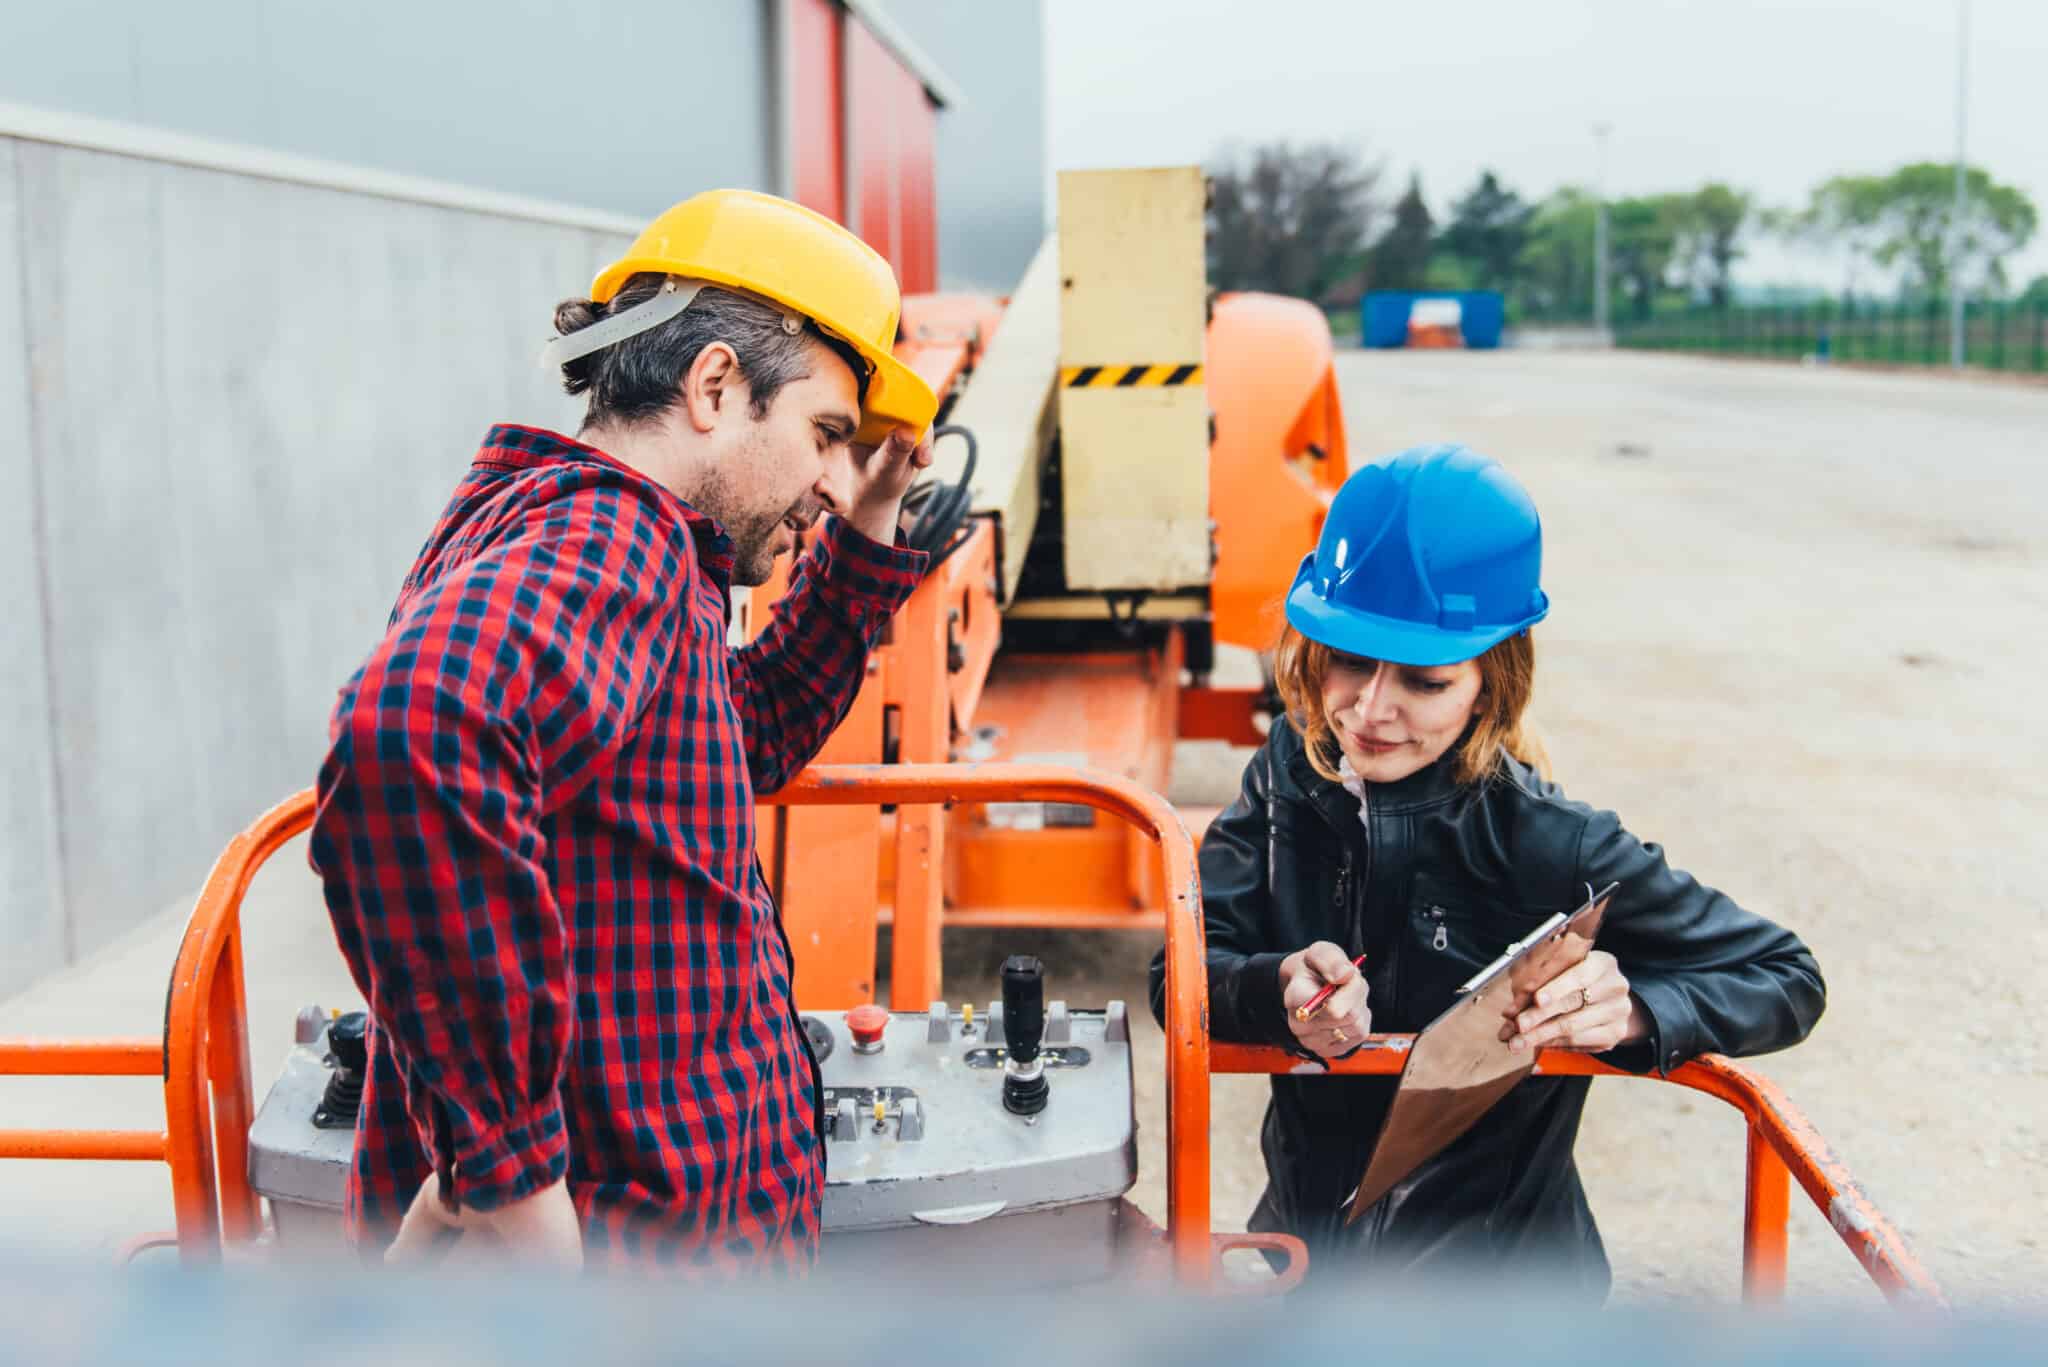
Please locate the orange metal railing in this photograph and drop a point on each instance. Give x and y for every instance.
(206, 1040)
(1192, 1249)
(203, 1059)
(84, 1058)
(1782, 1142)
(209, 1100)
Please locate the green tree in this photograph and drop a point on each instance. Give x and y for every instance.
(1400, 259)
(1556, 264)
(2035, 295)
(1711, 225)
(1642, 237)
(1904, 221)
(1288, 219)
(1447, 272)
(1488, 229)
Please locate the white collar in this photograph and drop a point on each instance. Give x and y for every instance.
(1355, 786)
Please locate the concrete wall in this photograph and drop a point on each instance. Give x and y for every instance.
(242, 404)
(620, 105)
(34, 933)
(623, 105)
(231, 401)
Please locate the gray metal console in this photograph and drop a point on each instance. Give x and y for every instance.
(929, 1166)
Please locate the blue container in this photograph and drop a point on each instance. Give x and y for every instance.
(1383, 316)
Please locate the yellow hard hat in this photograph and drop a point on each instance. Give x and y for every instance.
(802, 260)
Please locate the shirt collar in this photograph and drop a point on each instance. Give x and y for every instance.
(1432, 783)
(533, 448)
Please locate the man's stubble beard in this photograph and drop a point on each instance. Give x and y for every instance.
(752, 532)
(753, 565)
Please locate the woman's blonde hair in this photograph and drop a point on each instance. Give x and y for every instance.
(1507, 677)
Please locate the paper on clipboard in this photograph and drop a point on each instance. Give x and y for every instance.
(1459, 1066)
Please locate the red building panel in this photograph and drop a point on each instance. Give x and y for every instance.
(916, 193)
(816, 105)
(863, 138)
(874, 92)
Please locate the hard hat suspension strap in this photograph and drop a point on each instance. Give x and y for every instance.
(674, 296)
(668, 302)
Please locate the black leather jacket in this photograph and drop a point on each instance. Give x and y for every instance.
(1447, 875)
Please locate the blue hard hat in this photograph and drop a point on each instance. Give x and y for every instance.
(1426, 558)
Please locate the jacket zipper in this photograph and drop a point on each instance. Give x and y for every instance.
(1379, 1223)
(1358, 922)
(1365, 824)
(1345, 882)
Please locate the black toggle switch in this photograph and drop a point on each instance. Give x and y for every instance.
(1024, 1086)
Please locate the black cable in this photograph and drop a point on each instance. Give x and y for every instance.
(942, 509)
(944, 505)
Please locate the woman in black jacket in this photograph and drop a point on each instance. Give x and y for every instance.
(1402, 812)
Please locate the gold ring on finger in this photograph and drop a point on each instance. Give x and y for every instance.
(1585, 999)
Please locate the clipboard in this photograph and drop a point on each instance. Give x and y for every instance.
(1460, 1065)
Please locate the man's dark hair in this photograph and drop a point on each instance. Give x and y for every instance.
(638, 379)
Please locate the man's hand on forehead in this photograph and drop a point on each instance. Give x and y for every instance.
(881, 476)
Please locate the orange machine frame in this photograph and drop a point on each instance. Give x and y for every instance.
(206, 1057)
(1277, 457)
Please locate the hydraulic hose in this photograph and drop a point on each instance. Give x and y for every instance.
(940, 525)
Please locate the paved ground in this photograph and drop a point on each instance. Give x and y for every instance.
(1798, 639)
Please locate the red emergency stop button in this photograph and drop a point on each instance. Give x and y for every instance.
(865, 1023)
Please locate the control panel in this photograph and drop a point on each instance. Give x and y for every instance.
(949, 1133)
(938, 1121)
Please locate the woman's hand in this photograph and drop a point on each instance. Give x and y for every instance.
(1587, 1008)
(1343, 1020)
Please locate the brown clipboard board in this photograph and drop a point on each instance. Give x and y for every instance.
(1459, 1066)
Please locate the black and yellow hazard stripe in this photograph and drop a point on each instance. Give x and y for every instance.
(1128, 376)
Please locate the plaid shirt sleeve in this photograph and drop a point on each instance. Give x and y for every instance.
(498, 692)
(794, 682)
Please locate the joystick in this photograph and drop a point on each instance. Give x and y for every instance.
(349, 1045)
(1024, 1086)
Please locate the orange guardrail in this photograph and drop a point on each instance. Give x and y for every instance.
(209, 1100)
(84, 1058)
(1782, 1144)
(1192, 1249)
(202, 1057)
(206, 1047)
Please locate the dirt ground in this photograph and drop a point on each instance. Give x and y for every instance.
(1797, 638)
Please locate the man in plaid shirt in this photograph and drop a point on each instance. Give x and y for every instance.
(536, 822)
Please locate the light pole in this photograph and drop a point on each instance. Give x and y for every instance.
(1955, 227)
(1600, 131)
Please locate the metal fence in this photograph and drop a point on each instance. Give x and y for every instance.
(1999, 336)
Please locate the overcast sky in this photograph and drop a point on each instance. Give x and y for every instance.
(1771, 97)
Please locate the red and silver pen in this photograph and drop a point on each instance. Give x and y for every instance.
(1308, 1009)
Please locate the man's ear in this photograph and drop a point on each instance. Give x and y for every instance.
(712, 386)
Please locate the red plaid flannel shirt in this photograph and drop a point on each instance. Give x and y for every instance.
(536, 837)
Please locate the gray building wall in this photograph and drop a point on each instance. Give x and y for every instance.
(991, 155)
(230, 409)
(602, 104)
(620, 105)
(34, 931)
(232, 403)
